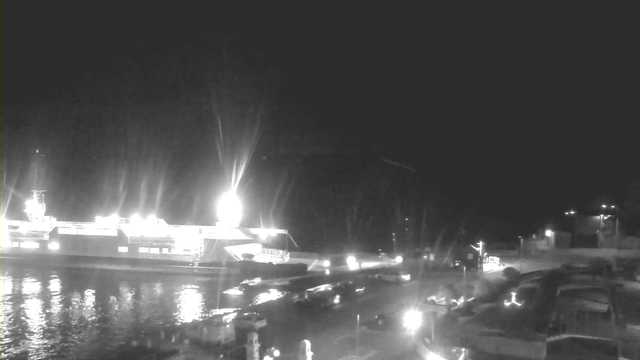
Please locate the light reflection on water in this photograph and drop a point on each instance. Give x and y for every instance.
(57, 313)
(189, 304)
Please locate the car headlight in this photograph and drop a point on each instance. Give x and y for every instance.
(412, 320)
(272, 353)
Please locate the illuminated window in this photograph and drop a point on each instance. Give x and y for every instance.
(165, 250)
(155, 250)
(29, 245)
(123, 249)
(143, 249)
(15, 244)
(53, 246)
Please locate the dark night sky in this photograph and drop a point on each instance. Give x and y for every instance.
(509, 116)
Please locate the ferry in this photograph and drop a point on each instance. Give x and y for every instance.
(145, 244)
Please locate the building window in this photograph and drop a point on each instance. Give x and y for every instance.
(165, 250)
(123, 249)
(143, 249)
(155, 250)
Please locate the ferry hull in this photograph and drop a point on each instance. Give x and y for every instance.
(244, 269)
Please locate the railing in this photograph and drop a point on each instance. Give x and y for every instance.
(279, 254)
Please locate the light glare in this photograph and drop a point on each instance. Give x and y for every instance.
(352, 262)
(230, 209)
(412, 320)
(29, 245)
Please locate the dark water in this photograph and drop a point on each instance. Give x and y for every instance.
(60, 314)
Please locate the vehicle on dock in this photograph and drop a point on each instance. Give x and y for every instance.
(393, 276)
(320, 300)
(349, 290)
(249, 320)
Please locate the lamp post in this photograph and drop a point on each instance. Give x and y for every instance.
(480, 250)
(393, 240)
(551, 239)
(572, 213)
(358, 334)
(615, 235)
(521, 251)
(464, 282)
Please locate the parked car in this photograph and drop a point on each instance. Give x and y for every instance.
(441, 300)
(388, 319)
(321, 300)
(249, 320)
(349, 290)
(394, 276)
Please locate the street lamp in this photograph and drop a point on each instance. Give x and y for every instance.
(572, 213)
(602, 218)
(394, 242)
(615, 239)
(521, 250)
(229, 209)
(480, 250)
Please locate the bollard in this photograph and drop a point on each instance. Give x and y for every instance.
(253, 346)
(304, 352)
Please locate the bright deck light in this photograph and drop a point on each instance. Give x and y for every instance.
(230, 209)
(399, 259)
(548, 233)
(136, 219)
(326, 263)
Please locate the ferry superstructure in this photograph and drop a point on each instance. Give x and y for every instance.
(135, 242)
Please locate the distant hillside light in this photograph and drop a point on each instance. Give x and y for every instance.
(229, 209)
